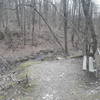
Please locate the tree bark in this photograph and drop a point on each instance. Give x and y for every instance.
(90, 42)
(33, 21)
(65, 9)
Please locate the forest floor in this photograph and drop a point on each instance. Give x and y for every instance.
(61, 79)
(47, 76)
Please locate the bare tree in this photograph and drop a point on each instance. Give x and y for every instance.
(73, 21)
(1, 12)
(89, 28)
(46, 9)
(90, 42)
(17, 12)
(33, 20)
(65, 9)
(40, 4)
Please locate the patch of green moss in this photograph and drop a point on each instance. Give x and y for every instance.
(22, 75)
(95, 96)
(2, 97)
(29, 89)
(28, 64)
(25, 98)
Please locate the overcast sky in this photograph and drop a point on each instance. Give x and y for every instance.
(97, 1)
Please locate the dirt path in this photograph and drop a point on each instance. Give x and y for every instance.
(62, 80)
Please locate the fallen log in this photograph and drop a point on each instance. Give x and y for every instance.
(76, 56)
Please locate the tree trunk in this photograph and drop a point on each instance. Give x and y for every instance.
(65, 9)
(39, 16)
(17, 12)
(33, 22)
(46, 10)
(90, 41)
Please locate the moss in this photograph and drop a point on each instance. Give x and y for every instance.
(21, 75)
(28, 89)
(28, 64)
(25, 98)
(22, 70)
(2, 97)
(95, 96)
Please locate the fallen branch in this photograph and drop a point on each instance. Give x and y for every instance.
(76, 56)
(51, 31)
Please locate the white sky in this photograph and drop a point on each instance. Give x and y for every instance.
(97, 2)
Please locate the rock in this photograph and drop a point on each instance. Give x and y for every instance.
(11, 60)
(1, 36)
(22, 59)
(4, 65)
(25, 58)
(59, 58)
(32, 57)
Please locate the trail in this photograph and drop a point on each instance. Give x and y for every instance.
(62, 80)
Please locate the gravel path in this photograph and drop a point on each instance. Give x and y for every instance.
(62, 80)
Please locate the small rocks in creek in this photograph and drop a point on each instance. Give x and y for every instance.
(62, 75)
(59, 58)
(48, 97)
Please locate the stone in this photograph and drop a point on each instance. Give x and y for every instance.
(4, 65)
(85, 63)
